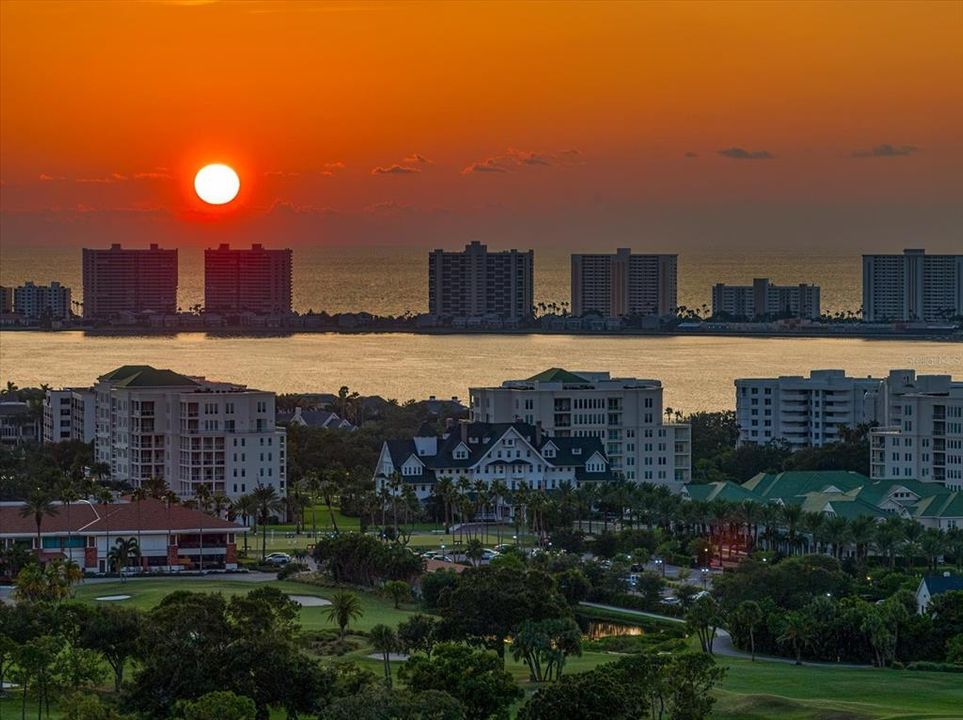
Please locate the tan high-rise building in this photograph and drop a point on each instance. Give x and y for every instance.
(478, 283)
(256, 280)
(120, 280)
(622, 284)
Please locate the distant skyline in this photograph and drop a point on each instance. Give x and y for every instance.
(665, 127)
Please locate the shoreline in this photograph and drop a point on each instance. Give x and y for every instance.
(254, 332)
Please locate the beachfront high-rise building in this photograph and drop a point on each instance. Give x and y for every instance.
(802, 411)
(763, 299)
(120, 281)
(913, 286)
(42, 301)
(621, 284)
(188, 431)
(6, 300)
(256, 280)
(476, 283)
(920, 433)
(626, 414)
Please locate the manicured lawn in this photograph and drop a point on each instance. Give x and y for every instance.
(763, 690)
(145, 594)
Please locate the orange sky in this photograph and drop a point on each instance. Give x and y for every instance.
(580, 123)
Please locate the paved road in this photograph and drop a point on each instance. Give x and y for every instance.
(723, 642)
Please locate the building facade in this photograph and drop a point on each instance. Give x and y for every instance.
(802, 411)
(70, 414)
(920, 434)
(170, 538)
(188, 431)
(37, 302)
(256, 280)
(913, 286)
(762, 299)
(19, 424)
(476, 283)
(624, 414)
(621, 284)
(6, 300)
(122, 281)
(498, 455)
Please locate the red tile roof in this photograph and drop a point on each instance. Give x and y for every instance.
(119, 517)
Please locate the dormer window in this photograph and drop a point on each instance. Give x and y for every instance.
(576, 451)
(461, 454)
(549, 452)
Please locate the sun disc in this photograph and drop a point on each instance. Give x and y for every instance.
(216, 184)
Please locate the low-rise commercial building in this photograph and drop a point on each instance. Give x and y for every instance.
(170, 537)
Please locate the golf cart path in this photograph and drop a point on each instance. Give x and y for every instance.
(723, 642)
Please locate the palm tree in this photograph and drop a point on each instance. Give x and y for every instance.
(328, 487)
(749, 613)
(67, 494)
(39, 506)
(170, 500)
(384, 639)
(267, 502)
(836, 532)
(932, 544)
(246, 507)
(204, 502)
(443, 489)
(105, 498)
(138, 496)
(120, 554)
(791, 515)
(344, 608)
(797, 631)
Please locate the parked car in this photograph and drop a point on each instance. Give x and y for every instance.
(277, 558)
(489, 555)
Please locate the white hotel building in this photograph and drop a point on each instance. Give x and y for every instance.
(802, 411)
(921, 429)
(625, 414)
(188, 431)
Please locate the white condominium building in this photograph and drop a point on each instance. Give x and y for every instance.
(802, 411)
(621, 284)
(912, 286)
(625, 414)
(477, 283)
(42, 301)
(921, 429)
(69, 414)
(188, 431)
(763, 299)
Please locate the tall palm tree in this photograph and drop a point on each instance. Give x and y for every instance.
(442, 490)
(170, 500)
(138, 496)
(67, 494)
(246, 507)
(267, 502)
(384, 639)
(39, 506)
(791, 515)
(328, 487)
(105, 498)
(204, 502)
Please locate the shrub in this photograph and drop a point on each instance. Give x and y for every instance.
(292, 568)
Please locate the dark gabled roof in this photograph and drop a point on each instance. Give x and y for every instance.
(480, 437)
(557, 375)
(937, 584)
(146, 376)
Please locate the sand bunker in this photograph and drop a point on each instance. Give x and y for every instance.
(113, 598)
(307, 600)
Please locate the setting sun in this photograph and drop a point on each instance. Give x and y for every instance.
(216, 184)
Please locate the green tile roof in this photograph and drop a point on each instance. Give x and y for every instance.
(875, 492)
(771, 486)
(728, 491)
(949, 505)
(146, 376)
(557, 375)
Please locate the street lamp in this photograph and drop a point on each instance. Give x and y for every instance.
(660, 564)
(705, 577)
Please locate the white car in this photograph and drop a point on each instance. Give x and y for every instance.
(278, 558)
(489, 554)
